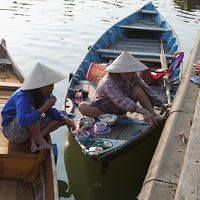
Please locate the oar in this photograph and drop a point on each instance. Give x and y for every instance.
(165, 67)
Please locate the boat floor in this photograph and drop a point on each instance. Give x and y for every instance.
(146, 23)
(118, 131)
(13, 190)
(138, 45)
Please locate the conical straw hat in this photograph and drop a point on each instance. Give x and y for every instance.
(41, 76)
(125, 63)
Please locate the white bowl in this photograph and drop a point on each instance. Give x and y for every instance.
(83, 135)
(110, 119)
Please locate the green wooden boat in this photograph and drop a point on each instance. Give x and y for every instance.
(118, 172)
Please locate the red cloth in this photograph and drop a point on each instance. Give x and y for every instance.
(149, 76)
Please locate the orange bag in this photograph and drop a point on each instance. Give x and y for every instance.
(96, 72)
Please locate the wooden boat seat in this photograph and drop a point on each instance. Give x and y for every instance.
(143, 28)
(9, 85)
(16, 160)
(114, 53)
(10, 150)
(154, 12)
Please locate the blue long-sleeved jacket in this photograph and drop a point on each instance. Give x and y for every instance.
(20, 104)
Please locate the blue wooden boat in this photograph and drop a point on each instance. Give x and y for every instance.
(117, 171)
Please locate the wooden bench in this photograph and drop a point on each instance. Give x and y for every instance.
(154, 12)
(9, 85)
(114, 53)
(10, 150)
(15, 160)
(143, 28)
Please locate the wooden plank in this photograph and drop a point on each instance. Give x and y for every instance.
(50, 171)
(37, 185)
(16, 168)
(6, 92)
(143, 28)
(36, 169)
(24, 191)
(9, 85)
(154, 12)
(139, 40)
(137, 43)
(4, 97)
(137, 47)
(140, 44)
(8, 189)
(10, 150)
(115, 53)
(3, 101)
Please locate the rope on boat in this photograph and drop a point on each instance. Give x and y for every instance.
(177, 111)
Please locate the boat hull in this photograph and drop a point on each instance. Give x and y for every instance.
(118, 178)
(119, 172)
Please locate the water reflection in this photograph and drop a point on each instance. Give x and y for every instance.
(189, 5)
(68, 11)
(22, 9)
(114, 2)
(64, 190)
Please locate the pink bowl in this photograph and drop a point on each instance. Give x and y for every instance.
(100, 127)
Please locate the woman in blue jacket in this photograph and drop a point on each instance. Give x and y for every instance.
(29, 112)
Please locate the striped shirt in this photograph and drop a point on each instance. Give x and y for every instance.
(113, 95)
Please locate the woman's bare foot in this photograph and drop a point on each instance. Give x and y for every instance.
(43, 146)
(39, 144)
(33, 145)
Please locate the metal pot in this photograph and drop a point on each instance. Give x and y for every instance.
(86, 122)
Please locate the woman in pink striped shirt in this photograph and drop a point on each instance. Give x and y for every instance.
(121, 88)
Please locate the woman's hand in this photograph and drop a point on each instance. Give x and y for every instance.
(165, 106)
(149, 118)
(49, 103)
(69, 122)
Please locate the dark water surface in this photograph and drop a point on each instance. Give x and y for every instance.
(58, 32)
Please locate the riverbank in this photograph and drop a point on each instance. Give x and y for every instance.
(166, 177)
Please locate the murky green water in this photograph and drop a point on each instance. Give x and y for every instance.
(58, 32)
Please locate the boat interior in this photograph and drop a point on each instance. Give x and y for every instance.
(127, 128)
(141, 35)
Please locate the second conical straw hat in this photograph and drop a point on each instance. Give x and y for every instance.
(125, 63)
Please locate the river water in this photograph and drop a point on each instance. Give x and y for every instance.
(58, 32)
